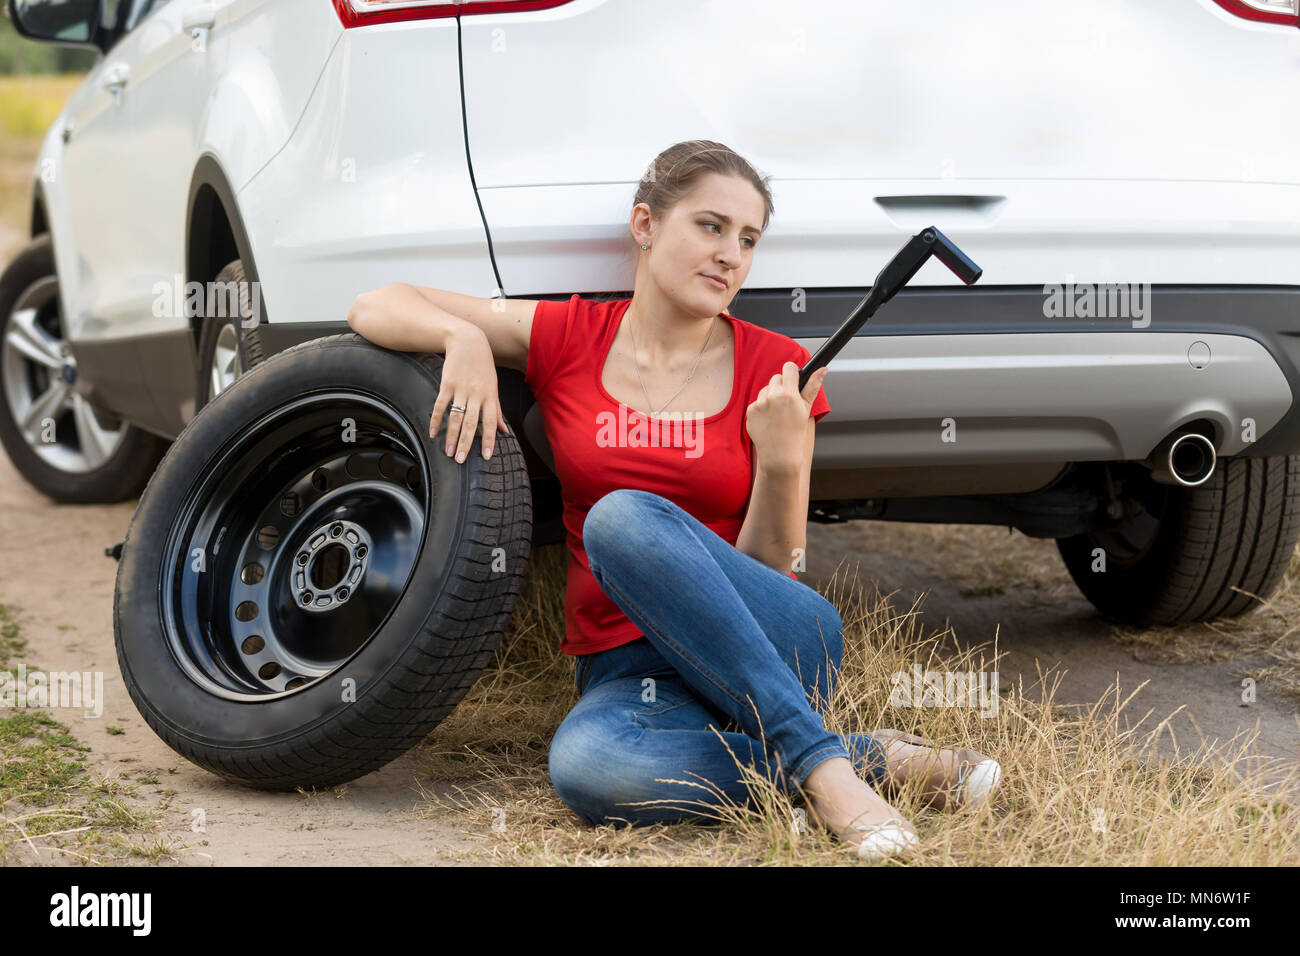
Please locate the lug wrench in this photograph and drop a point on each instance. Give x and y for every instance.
(928, 242)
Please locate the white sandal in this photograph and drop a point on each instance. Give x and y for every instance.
(883, 840)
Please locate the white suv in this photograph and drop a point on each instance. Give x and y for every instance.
(1123, 379)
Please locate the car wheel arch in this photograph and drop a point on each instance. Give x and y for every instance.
(40, 221)
(214, 231)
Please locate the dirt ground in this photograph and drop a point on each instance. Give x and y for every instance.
(55, 576)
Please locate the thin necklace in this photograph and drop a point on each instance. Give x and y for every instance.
(637, 363)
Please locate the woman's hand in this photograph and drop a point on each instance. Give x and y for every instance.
(777, 420)
(469, 378)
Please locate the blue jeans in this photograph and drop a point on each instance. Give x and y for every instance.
(733, 658)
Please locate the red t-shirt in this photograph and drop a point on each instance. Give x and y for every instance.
(703, 465)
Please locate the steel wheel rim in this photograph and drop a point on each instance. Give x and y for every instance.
(290, 472)
(226, 366)
(40, 375)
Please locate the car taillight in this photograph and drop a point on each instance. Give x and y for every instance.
(360, 13)
(1266, 11)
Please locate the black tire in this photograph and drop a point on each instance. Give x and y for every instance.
(123, 473)
(1237, 530)
(258, 450)
(228, 330)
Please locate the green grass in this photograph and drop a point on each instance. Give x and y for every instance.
(12, 644)
(41, 757)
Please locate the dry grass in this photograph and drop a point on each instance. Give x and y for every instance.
(1077, 789)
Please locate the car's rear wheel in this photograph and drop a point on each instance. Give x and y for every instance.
(1183, 554)
(229, 344)
(309, 584)
(67, 447)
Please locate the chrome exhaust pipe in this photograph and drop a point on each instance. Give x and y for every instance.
(1183, 458)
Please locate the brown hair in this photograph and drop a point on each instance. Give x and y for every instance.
(674, 172)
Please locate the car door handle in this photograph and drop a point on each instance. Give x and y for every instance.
(115, 77)
(199, 17)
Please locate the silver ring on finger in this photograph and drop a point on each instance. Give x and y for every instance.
(458, 408)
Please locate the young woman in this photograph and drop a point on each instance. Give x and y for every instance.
(698, 651)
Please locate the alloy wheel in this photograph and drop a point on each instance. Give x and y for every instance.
(40, 384)
(226, 366)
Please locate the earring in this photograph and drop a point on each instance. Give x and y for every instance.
(645, 245)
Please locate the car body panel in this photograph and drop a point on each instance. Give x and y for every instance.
(374, 186)
(1049, 143)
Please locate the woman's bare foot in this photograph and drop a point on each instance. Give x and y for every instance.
(838, 798)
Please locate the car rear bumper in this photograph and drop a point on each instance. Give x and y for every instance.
(1023, 382)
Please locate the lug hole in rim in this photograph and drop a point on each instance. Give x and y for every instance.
(246, 611)
(268, 670)
(253, 644)
(268, 537)
(320, 479)
(252, 573)
(291, 504)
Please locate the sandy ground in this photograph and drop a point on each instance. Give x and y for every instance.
(54, 573)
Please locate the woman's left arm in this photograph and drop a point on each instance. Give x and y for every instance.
(776, 524)
(781, 428)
